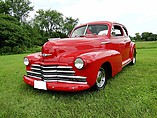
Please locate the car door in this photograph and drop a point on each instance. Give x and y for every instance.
(119, 41)
(127, 42)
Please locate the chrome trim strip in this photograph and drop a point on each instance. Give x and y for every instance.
(58, 71)
(67, 67)
(71, 82)
(73, 77)
(35, 68)
(60, 67)
(49, 71)
(33, 76)
(36, 65)
(34, 72)
(48, 67)
(55, 73)
(126, 62)
(50, 76)
(65, 76)
(46, 55)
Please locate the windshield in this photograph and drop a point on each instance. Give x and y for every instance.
(98, 29)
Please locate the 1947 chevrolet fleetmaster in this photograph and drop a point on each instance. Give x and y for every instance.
(93, 52)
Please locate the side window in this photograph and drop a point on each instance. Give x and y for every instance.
(99, 29)
(117, 31)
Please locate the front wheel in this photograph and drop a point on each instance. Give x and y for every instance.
(101, 79)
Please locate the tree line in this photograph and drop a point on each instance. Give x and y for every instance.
(145, 36)
(17, 33)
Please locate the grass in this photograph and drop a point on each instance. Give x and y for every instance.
(146, 45)
(130, 94)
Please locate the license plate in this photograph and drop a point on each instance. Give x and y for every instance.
(40, 85)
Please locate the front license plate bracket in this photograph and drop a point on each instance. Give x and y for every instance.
(40, 85)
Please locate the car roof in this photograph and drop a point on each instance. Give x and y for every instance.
(100, 22)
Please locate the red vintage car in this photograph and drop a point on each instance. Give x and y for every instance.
(93, 52)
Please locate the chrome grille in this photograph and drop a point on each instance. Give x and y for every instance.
(54, 72)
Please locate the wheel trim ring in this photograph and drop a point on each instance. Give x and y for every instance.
(134, 60)
(102, 80)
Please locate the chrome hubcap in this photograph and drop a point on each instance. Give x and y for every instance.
(100, 78)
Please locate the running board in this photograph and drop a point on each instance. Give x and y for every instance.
(126, 62)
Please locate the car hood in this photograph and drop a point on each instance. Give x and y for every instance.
(55, 50)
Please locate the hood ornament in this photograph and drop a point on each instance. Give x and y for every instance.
(46, 55)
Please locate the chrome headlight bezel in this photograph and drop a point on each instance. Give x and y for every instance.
(26, 61)
(79, 63)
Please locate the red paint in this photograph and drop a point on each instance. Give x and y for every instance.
(94, 49)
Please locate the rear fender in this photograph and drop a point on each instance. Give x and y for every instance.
(132, 48)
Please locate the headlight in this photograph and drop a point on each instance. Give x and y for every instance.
(26, 61)
(79, 63)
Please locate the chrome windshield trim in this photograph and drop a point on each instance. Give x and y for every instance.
(85, 30)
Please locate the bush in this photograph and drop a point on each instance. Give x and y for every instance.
(5, 50)
(19, 49)
(14, 37)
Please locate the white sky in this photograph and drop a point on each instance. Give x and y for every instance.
(137, 15)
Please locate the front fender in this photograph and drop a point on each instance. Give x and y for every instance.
(34, 58)
(95, 59)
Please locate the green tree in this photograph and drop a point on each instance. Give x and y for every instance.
(19, 8)
(49, 20)
(152, 37)
(145, 36)
(69, 24)
(34, 34)
(52, 23)
(137, 37)
(4, 8)
(14, 38)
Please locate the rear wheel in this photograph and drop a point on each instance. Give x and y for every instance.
(101, 79)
